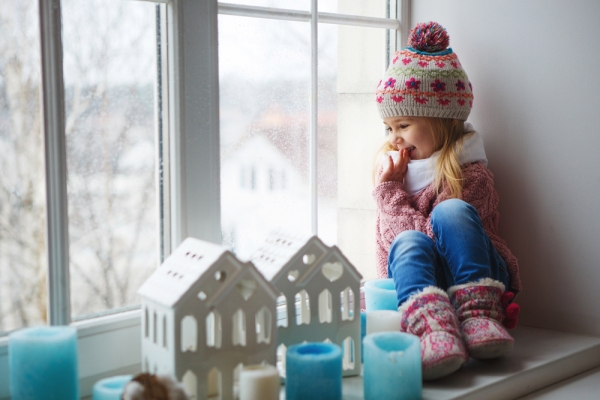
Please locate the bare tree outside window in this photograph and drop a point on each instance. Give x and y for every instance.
(109, 68)
(22, 196)
(109, 74)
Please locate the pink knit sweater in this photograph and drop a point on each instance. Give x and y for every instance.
(396, 212)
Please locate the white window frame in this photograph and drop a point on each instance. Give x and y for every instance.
(191, 113)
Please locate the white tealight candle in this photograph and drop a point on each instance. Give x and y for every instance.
(259, 382)
(383, 321)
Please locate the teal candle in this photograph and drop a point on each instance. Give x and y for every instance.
(380, 294)
(313, 372)
(43, 363)
(363, 332)
(392, 366)
(110, 388)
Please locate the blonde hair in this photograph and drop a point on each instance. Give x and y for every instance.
(448, 135)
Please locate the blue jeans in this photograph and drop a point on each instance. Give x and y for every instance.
(462, 252)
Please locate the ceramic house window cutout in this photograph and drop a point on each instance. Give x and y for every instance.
(216, 313)
(317, 286)
(263, 325)
(282, 311)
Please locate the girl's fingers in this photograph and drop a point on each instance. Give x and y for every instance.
(394, 170)
(387, 169)
(390, 164)
(404, 164)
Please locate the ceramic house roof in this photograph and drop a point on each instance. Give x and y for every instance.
(240, 284)
(333, 253)
(280, 249)
(277, 250)
(180, 271)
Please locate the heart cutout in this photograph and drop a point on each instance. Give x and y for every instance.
(293, 275)
(246, 288)
(308, 259)
(333, 271)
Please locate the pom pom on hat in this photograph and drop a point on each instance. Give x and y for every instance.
(429, 37)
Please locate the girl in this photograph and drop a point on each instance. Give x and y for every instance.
(437, 219)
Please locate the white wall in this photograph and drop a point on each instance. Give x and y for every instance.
(535, 68)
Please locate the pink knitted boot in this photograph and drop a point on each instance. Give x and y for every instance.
(429, 315)
(480, 312)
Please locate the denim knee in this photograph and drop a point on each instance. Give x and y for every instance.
(409, 239)
(406, 241)
(412, 263)
(451, 211)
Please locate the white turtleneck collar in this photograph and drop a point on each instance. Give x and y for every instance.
(420, 172)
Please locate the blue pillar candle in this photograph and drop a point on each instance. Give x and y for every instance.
(110, 388)
(380, 294)
(43, 363)
(313, 371)
(392, 366)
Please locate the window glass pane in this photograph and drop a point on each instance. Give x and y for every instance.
(23, 265)
(327, 152)
(351, 63)
(288, 4)
(370, 8)
(264, 93)
(110, 70)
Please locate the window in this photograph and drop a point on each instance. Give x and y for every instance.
(136, 125)
(108, 98)
(269, 125)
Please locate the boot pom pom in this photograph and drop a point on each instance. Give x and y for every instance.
(512, 311)
(507, 297)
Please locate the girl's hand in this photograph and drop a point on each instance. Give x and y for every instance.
(395, 171)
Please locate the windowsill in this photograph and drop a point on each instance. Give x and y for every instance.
(110, 346)
(540, 358)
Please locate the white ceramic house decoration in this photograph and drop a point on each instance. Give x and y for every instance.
(205, 314)
(318, 291)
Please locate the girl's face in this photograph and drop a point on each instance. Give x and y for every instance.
(413, 133)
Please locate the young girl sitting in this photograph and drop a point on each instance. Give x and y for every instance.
(437, 219)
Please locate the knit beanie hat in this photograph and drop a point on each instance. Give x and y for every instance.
(425, 79)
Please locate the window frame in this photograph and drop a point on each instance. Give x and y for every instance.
(191, 155)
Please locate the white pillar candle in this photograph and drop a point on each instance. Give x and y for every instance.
(259, 382)
(383, 321)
